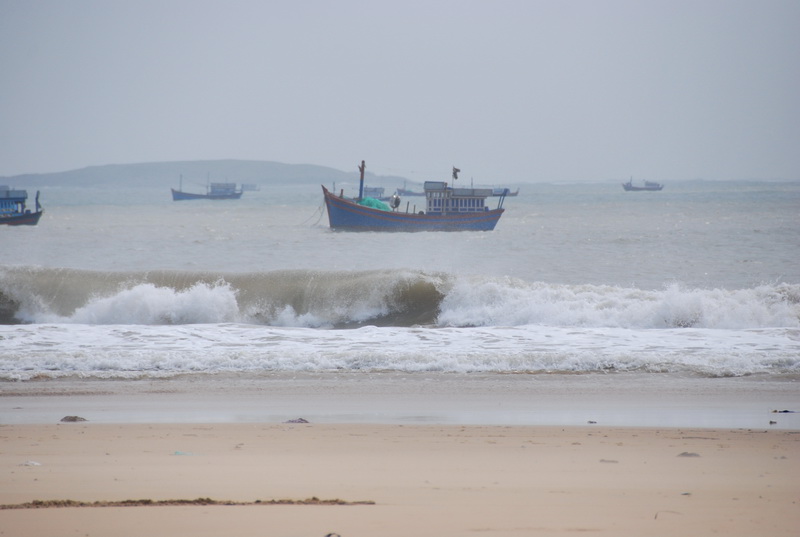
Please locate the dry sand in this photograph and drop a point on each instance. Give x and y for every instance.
(424, 480)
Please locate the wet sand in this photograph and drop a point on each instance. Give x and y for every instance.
(627, 399)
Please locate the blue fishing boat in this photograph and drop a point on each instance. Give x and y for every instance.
(447, 209)
(214, 191)
(13, 210)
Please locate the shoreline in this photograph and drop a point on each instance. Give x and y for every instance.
(617, 399)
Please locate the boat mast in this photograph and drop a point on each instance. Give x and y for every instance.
(361, 183)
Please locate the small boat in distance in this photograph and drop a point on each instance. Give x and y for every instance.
(408, 192)
(504, 192)
(648, 185)
(214, 191)
(377, 192)
(447, 209)
(13, 211)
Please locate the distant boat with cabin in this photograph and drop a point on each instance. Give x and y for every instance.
(447, 209)
(648, 185)
(214, 191)
(408, 192)
(506, 192)
(13, 208)
(377, 192)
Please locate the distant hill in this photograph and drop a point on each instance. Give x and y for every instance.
(167, 174)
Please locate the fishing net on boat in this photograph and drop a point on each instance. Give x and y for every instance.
(375, 204)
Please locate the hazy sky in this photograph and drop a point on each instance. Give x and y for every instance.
(509, 91)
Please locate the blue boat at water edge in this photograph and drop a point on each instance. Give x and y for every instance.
(447, 209)
(13, 210)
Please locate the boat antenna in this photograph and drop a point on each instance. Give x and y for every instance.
(361, 183)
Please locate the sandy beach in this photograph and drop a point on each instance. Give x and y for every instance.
(410, 463)
(424, 480)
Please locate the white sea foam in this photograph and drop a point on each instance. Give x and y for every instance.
(149, 304)
(128, 351)
(482, 302)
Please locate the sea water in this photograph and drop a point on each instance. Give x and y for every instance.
(701, 280)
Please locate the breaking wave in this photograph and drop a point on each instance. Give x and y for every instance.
(319, 299)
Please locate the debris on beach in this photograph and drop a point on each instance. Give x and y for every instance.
(688, 454)
(670, 512)
(297, 420)
(72, 418)
(43, 504)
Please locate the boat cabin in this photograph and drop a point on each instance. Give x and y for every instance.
(442, 199)
(12, 201)
(222, 189)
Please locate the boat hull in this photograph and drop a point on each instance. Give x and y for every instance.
(346, 215)
(179, 195)
(26, 219)
(647, 188)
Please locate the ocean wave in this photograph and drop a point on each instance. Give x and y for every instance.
(401, 298)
